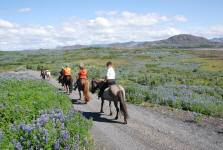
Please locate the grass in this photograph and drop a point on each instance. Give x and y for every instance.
(34, 115)
(141, 72)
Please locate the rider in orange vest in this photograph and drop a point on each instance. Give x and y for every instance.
(67, 71)
(81, 75)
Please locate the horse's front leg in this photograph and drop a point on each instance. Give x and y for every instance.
(117, 109)
(102, 103)
(110, 108)
(79, 94)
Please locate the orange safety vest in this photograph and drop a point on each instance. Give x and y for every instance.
(82, 74)
(67, 71)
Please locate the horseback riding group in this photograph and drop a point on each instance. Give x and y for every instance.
(109, 90)
(45, 74)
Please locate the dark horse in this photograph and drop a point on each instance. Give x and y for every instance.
(115, 93)
(68, 83)
(60, 78)
(43, 74)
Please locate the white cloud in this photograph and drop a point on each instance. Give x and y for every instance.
(24, 10)
(121, 27)
(103, 12)
(180, 18)
(5, 24)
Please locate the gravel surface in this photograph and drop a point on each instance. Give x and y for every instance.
(146, 129)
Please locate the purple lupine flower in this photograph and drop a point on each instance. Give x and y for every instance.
(34, 137)
(86, 141)
(76, 142)
(21, 138)
(57, 145)
(65, 135)
(2, 106)
(72, 119)
(10, 127)
(6, 104)
(57, 121)
(14, 142)
(46, 136)
(18, 146)
(67, 147)
(62, 126)
(28, 143)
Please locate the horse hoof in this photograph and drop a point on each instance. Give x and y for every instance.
(116, 118)
(125, 122)
(101, 111)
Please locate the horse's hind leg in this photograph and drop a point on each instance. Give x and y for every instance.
(117, 109)
(102, 103)
(110, 108)
(79, 94)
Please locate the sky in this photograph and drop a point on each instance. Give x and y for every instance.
(34, 24)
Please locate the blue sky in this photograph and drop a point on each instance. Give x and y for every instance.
(47, 18)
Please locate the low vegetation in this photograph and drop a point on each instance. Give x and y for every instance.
(184, 79)
(34, 115)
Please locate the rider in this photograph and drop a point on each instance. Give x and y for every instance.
(42, 69)
(109, 78)
(42, 72)
(67, 71)
(61, 74)
(81, 75)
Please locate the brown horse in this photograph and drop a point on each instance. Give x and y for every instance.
(115, 93)
(68, 83)
(83, 85)
(43, 74)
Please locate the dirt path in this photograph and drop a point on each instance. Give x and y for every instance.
(146, 129)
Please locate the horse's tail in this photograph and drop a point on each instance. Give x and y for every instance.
(123, 108)
(86, 90)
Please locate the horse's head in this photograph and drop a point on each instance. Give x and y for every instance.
(94, 86)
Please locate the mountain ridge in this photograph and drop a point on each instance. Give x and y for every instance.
(176, 41)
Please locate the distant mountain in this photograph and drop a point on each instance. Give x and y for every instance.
(177, 41)
(182, 41)
(125, 45)
(72, 47)
(217, 40)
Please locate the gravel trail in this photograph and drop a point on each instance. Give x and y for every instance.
(146, 129)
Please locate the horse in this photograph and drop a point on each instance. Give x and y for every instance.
(60, 79)
(43, 74)
(48, 75)
(115, 93)
(83, 85)
(68, 83)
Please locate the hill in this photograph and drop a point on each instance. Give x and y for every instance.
(182, 41)
(217, 40)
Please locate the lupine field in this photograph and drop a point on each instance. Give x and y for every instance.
(191, 80)
(34, 115)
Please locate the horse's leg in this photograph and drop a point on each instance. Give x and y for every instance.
(110, 108)
(117, 109)
(79, 94)
(102, 103)
(70, 88)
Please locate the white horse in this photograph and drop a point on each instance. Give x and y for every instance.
(48, 75)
